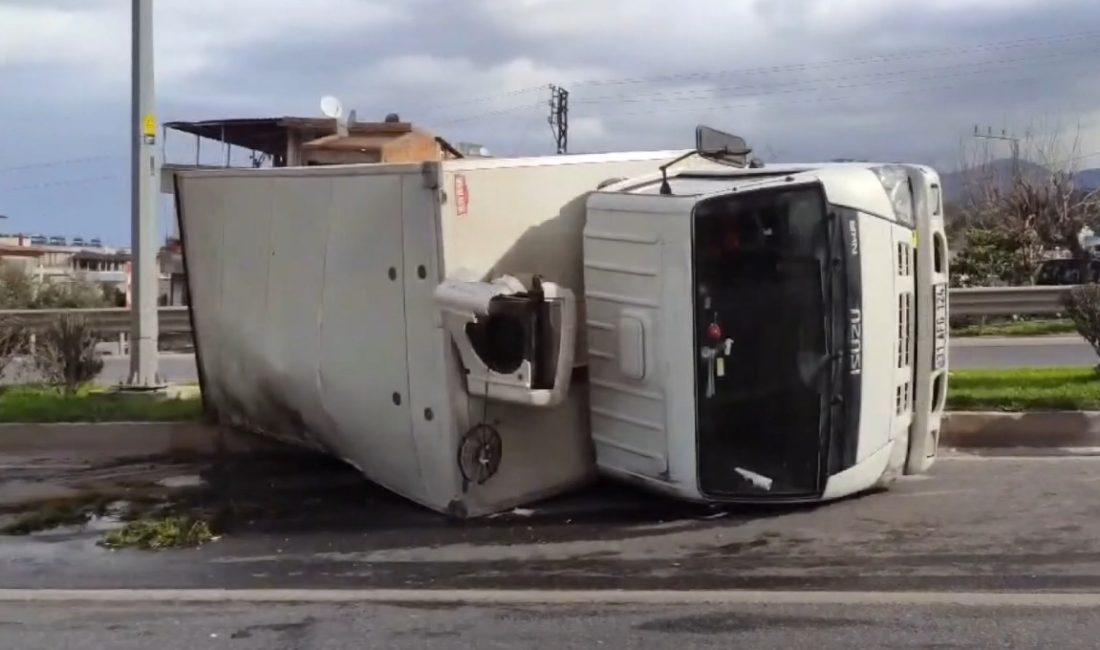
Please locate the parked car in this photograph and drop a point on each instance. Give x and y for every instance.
(1065, 272)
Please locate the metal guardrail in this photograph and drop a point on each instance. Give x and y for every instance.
(110, 321)
(1006, 301)
(979, 301)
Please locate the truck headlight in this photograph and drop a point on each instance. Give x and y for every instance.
(895, 180)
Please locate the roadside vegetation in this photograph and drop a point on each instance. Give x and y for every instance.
(63, 353)
(37, 404)
(144, 521)
(1026, 327)
(1083, 306)
(1009, 217)
(160, 534)
(1024, 389)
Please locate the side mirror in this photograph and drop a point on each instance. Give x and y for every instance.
(712, 143)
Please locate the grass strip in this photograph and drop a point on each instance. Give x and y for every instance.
(1024, 389)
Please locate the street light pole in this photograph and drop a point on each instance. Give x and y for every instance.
(145, 170)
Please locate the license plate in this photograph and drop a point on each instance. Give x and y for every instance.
(939, 348)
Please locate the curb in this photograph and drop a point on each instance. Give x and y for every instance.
(991, 429)
(124, 439)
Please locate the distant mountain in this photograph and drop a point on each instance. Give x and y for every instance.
(1089, 179)
(955, 184)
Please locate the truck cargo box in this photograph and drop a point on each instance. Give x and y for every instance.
(328, 307)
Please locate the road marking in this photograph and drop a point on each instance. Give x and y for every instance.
(554, 597)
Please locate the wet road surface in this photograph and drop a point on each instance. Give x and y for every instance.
(977, 523)
(879, 570)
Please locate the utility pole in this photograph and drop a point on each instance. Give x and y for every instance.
(989, 135)
(145, 170)
(559, 117)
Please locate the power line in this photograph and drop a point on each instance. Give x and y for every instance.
(814, 84)
(813, 100)
(861, 60)
(481, 99)
(75, 181)
(503, 111)
(795, 67)
(59, 163)
(785, 93)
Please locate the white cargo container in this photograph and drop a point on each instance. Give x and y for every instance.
(324, 301)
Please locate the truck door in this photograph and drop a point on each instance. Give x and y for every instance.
(633, 254)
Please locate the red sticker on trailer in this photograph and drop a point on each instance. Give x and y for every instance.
(462, 195)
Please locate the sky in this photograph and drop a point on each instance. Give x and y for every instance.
(801, 80)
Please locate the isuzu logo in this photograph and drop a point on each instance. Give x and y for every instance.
(855, 341)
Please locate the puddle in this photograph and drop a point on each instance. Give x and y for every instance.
(179, 482)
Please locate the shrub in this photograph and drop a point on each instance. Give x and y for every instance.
(17, 289)
(66, 354)
(21, 290)
(69, 295)
(12, 339)
(159, 534)
(1083, 307)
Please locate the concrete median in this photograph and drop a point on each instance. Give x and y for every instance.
(86, 440)
(1045, 429)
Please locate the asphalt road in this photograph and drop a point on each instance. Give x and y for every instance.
(924, 565)
(316, 627)
(975, 523)
(1019, 352)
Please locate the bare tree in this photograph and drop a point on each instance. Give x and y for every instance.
(66, 355)
(1037, 204)
(12, 340)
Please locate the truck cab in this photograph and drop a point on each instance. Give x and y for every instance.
(766, 333)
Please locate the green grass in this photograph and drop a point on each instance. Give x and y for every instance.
(160, 534)
(1038, 327)
(35, 405)
(1024, 389)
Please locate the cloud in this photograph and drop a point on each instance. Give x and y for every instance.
(190, 37)
(801, 79)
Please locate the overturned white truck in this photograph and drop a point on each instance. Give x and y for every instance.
(479, 334)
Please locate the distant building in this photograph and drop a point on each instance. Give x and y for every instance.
(302, 141)
(89, 261)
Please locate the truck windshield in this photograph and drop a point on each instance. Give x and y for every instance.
(760, 261)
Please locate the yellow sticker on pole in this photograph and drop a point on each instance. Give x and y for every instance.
(149, 126)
